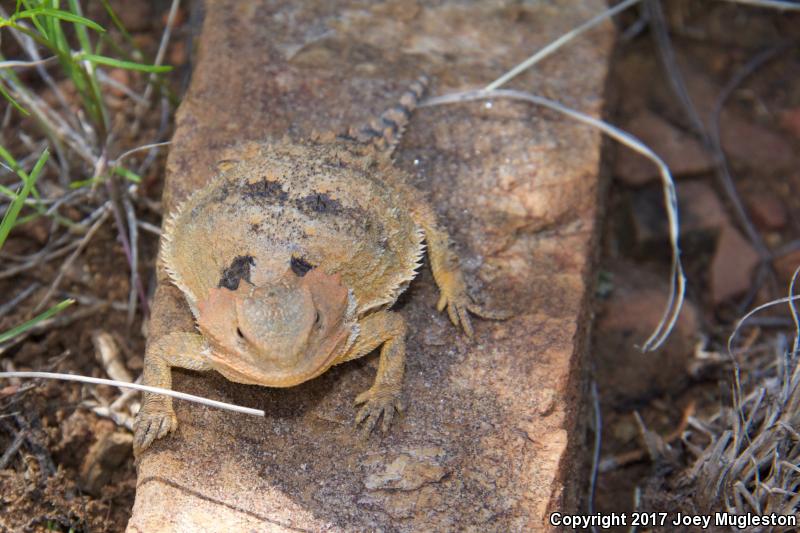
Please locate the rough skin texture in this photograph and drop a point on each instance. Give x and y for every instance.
(290, 260)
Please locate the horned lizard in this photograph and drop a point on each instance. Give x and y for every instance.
(290, 260)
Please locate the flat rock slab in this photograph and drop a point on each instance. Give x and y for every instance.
(493, 437)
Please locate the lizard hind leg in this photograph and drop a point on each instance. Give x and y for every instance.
(445, 265)
(384, 132)
(156, 418)
(386, 329)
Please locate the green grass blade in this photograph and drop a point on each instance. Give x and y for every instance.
(128, 174)
(13, 332)
(11, 101)
(59, 14)
(35, 20)
(129, 65)
(8, 192)
(10, 161)
(51, 22)
(94, 94)
(80, 31)
(58, 38)
(12, 212)
(77, 184)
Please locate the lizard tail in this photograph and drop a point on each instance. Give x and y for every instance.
(384, 132)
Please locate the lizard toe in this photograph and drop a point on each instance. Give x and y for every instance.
(388, 415)
(150, 426)
(489, 314)
(367, 418)
(460, 306)
(377, 405)
(463, 318)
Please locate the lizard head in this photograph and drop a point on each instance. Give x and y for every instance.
(281, 333)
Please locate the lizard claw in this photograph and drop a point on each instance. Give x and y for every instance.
(458, 303)
(152, 424)
(377, 401)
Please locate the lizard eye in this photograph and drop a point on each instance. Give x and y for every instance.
(300, 266)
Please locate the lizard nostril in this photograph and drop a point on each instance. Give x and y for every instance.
(239, 333)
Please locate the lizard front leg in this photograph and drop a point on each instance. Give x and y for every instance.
(446, 269)
(157, 418)
(388, 330)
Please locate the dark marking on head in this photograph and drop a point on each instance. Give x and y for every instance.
(320, 203)
(239, 270)
(300, 266)
(221, 193)
(268, 190)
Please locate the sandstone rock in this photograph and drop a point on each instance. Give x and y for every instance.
(683, 154)
(732, 265)
(700, 207)
(628, 376)
(743, 139)
(790, 121)
(786, 265)
(78, 432)
(767, 210)
(407, 471)
(480, 446)
(700, 212)
(109, 451)
(704, 225)
(755, 145)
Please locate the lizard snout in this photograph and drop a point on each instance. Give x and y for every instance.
(275, 322)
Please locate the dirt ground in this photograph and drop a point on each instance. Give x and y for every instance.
(760, 134)
(74, 471)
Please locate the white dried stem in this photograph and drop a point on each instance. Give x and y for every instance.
(137, 386)
(677, 278)
(558, 43)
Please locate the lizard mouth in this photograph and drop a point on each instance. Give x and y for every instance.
(247, 329)
(241, 370)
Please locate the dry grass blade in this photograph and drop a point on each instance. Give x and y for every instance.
(772, 4)
(26, 64)
(162, 48)
(677, 277)
(132, 151)
(137, 386)
(71, 259)
(12, 450)
(711, 135)
(558, 43)
(751, 466)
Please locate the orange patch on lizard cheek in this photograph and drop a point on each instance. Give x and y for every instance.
(217, 316)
